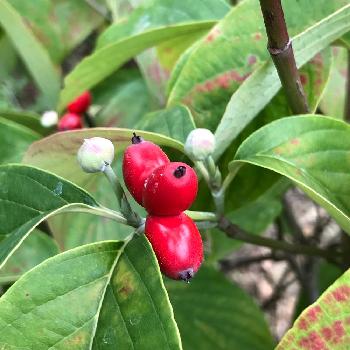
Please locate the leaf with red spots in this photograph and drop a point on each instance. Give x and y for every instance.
(258, 90)
(313, 151)
(325, 325)
(231, 51)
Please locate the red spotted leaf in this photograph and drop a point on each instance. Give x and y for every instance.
(325, 325)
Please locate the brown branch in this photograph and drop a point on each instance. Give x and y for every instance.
(281, 51)
(234, 232)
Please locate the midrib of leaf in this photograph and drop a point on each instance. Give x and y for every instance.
(121, 250)
(49, 214)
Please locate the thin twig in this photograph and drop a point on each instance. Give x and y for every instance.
(233, 231)
(281, 51)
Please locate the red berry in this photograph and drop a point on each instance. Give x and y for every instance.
(140, 159)
(177, 244)
(81, 103)
(170, 189)
(70, 121)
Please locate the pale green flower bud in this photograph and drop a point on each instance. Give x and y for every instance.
(95, 154)
(200, 144)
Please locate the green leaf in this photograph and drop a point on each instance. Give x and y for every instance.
(175, 122)
(57, 153)
(213, 313)
(15, 140)
(232, 51)
(32, 53)
(104, 62)
(99, 296)
(28, 196)
(59, 25)
(116, 97)
(74, 229)
(27, 119)
(162, 13)
(310, 150)
(248, 101)
(333, 99)
(156, 64)
(36, 248)
(325, 324)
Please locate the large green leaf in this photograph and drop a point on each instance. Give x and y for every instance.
(325, 324)
(28, 196)
(57, 153)
(231, 51)
(175, 122)
(310, 150)
(32, 53)
(60, 24)
(99, 296)
(156, 64)
(15, 140)
(36, 248)
(213, 313)
(104, 62)
(255, 93)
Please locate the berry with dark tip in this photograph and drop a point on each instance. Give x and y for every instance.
(70, 121)
(170, 189)
(140, 159)
(81, 104)
(177, 245)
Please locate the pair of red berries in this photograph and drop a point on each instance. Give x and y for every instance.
(166, 189)
(73, 118)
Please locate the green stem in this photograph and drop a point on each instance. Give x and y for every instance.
(230, 176)
(113, 180)
(281, 51)
(201, 215)
(203, 171)
(132, 218)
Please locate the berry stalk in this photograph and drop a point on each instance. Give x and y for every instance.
(281, 51)
(133, 219)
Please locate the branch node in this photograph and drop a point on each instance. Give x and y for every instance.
(275, 51)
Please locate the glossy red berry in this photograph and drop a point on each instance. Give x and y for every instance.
(70, 121)
(81, 103)
(140, 159)
(177, 244)
(170, 189)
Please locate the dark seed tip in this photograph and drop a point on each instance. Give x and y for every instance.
(186, 275)
(136, 139)
(180, 171)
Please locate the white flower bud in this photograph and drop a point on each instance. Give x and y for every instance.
(95, 153)
(49, 118)
(200, 144)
